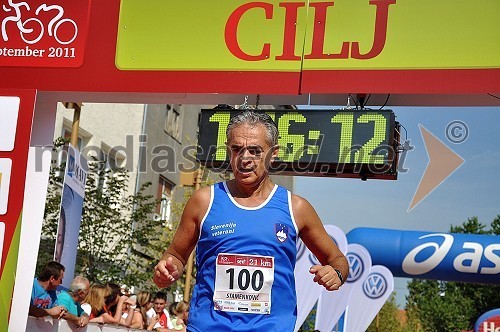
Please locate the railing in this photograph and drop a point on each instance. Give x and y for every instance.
(47, 324)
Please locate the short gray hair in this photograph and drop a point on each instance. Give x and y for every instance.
(79, 283)
(253, 117)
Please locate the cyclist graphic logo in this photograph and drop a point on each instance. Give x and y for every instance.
(31, 30)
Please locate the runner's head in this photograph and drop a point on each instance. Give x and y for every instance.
(252, 117)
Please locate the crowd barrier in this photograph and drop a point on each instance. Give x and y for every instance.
(47, 324)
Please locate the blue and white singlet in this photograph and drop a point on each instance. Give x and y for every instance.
(245, 260)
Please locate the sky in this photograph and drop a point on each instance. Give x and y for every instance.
(471, 191)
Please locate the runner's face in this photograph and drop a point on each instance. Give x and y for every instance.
(159, 305)
(250, 153)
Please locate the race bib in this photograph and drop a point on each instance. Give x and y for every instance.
(243, 283)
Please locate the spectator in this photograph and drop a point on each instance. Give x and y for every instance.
(43, 294)
(94, 304)
(181, 313)
(171, 308)
(131, 316)
(144, 302)
(71, 300)
(158, 317)
(113, 297)
(104, 303)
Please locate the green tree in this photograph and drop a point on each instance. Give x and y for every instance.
(438, 305)
(308, 325)
(119, 240)
(452, 306)
(388, 318)
(484, 297)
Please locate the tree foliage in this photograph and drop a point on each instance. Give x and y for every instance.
(119, 239)
(388, 318)
(453, 306)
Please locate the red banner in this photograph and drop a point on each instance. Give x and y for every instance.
(43, 33)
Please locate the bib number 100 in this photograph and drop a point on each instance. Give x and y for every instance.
(245, 279)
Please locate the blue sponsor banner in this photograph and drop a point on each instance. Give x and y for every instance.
(71, 213)
(427, 255)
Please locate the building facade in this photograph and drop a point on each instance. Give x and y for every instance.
(154, 142)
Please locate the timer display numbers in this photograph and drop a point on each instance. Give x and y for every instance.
(337, 143)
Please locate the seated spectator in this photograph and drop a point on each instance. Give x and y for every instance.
(71, 300)
(43, 294)
(181, 313)
(145, 303)
(158, 317)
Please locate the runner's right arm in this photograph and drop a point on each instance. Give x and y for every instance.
(171, 265)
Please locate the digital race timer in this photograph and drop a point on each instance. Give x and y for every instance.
(342, 143)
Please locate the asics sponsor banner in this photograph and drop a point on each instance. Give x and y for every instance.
(368, 297)
(70, 214)
(16, 109)
(488, 322)
(331, 305)
(308, 291)
(442, 256)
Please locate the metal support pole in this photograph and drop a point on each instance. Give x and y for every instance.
(189, 264)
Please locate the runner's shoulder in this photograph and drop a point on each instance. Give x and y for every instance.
(200, 197)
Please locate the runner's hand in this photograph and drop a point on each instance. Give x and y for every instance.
(165, 273)
(326, 277)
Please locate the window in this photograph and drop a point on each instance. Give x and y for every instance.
(164, 193)
(67, 137)
(173, 121)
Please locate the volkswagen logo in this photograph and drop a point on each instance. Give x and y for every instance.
(375, 285)
(356, 267)
(312, 258)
